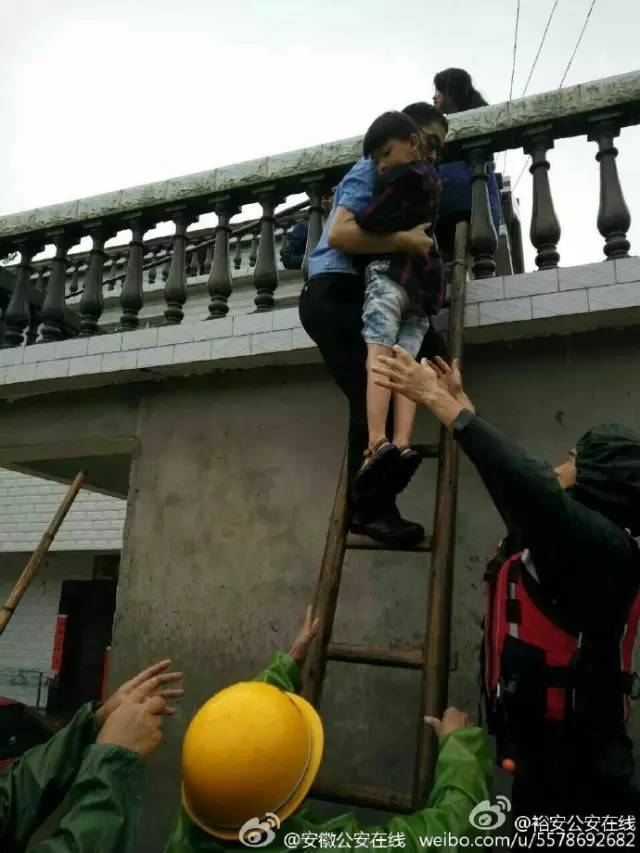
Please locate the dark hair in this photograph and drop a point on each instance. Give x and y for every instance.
(457, 85)
(391, 125)
(423, 113)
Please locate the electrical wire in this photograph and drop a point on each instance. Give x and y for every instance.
(573, 55)
(513, 67)
(540, 46)
(564, 77)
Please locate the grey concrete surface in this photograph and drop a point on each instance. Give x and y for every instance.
(231, 487)
(227, 519)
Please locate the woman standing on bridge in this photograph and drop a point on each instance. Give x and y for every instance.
(455, 93)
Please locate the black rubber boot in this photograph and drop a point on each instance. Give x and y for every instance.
(407, 465)
(384, 523)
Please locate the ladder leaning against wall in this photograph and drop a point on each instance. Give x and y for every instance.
(433, 658)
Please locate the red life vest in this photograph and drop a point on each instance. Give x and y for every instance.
(532, 656)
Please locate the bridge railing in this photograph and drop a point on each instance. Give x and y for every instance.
(597, 110)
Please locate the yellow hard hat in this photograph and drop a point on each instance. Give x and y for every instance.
(249, 750)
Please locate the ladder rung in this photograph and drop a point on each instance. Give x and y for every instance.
(427, 451)
(358, 542)
(375, 655)
(366, 796)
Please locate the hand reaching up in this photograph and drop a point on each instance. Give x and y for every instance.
(310, 628)
(155, 679)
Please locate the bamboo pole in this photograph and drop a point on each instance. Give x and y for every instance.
(40, 553)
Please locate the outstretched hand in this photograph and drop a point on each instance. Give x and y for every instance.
(135, 725)
(450, 379)
(426, 383)
(449, 375)
(452, 720)
(402, 373)
(308, 631)
(152, 681)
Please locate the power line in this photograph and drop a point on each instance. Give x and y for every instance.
(513, 66)
(524, 169)
(515, 49)
(573, 55)
(564, 77)
(540, 46)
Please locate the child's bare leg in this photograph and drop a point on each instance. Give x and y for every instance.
(404, 415)
(378, 399)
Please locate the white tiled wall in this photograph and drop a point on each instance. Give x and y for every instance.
(27, 643)
(244, 338)
(27, 505)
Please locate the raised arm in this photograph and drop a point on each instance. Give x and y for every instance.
(38, 782)
(463, 774)
(105, 800)
(542, 516)
(284, 670)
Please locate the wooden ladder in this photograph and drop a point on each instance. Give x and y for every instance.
(433, 658)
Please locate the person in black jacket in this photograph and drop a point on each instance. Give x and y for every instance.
(402, 290)
(577, 523)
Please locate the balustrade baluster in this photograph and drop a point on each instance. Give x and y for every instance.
(175, 289)
(113, 273)
(219, 284)
(315, 225)
(545, 227)
(237, 256)
(284, 237)
(34, 323)
(614, 218)
(131, 296)
(54, 302)
(17, 314)
(164, 268)
(153, 271)
(92, 300)
(265, 274)
(483, 238)
(192, 261)
(203, 264)
(82, 273)
(43, 276)
(253, 250)
(208, 260)
(75, 272)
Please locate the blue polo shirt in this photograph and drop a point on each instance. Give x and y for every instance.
(354, 192)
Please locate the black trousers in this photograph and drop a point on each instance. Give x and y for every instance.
(331, 313)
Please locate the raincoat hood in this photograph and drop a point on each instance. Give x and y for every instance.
(608, 474)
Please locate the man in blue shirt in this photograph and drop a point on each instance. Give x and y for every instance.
(331, 312)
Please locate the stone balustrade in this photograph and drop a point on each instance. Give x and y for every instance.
(39, 306)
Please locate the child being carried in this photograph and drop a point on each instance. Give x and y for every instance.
(402, 290)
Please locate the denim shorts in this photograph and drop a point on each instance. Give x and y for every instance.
(389, 317)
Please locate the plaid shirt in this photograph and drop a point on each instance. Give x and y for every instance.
(404, 197)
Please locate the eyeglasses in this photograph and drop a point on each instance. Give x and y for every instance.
(433, 143)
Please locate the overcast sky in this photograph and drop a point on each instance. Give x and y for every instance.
(96, 95)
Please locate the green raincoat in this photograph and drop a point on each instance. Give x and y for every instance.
(102, 785)
(463, 774)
